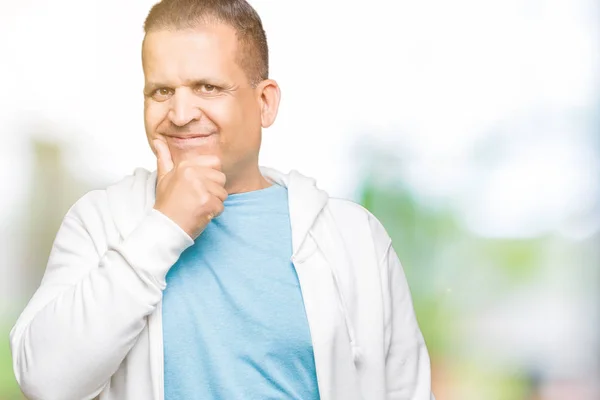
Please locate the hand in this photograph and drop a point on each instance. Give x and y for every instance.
(190, 193)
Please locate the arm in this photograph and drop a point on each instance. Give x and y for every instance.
(90, 307)
(408, 370)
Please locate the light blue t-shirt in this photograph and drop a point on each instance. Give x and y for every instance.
(234, 324)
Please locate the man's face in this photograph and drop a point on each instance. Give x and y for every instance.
(198, 99)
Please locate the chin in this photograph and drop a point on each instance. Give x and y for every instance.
(179, 155)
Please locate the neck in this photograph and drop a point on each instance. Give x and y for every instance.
(246, 180)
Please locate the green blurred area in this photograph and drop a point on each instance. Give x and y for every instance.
(454, 275)
(8, 386)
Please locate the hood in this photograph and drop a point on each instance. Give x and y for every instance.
(306, 201)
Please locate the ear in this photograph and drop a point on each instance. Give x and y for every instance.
(269, 96)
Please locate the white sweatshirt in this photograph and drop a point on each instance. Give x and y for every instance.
(93, 328)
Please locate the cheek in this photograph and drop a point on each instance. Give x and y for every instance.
(154, 114)
(222, 112)
(233, 115)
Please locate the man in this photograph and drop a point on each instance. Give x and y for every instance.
(214, 278)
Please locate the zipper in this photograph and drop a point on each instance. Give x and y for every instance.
(159, 353)
(156, 348)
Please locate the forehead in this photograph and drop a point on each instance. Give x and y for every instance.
(206, 51)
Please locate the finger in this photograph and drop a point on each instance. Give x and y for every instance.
(217, 208)
(215, 176)
(216, 190)
(164, 163)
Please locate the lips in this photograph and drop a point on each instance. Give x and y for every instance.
(191, 136)
(192, 140)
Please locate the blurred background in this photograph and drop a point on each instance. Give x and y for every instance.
(471, 128)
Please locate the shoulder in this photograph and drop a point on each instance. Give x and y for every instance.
(354, 219)
(135, 182)
(98, 207)
(88, 206)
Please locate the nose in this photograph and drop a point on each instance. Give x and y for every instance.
(183, 109)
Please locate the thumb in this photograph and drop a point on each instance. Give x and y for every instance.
(164, 163)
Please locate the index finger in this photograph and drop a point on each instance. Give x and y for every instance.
(164, 162)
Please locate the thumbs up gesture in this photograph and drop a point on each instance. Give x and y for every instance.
(190, 193)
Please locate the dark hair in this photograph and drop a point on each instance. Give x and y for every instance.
(253, 54)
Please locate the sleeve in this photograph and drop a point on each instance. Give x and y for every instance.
(90, 307)
(408, 369)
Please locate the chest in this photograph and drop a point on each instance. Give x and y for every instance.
(233, 317)
(232, 286)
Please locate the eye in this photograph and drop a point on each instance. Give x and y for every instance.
(162, 94)
(206, 88)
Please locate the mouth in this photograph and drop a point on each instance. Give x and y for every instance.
(191, 140)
